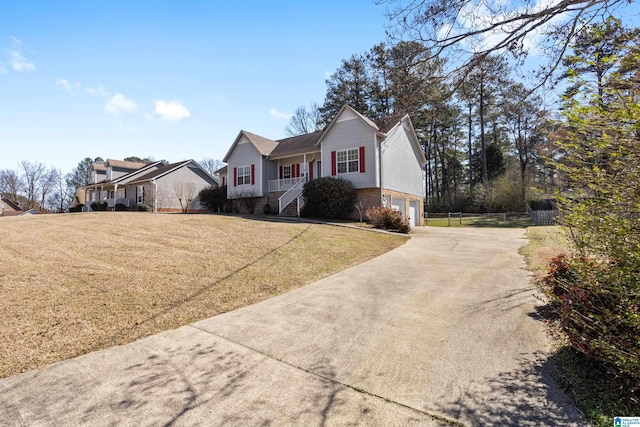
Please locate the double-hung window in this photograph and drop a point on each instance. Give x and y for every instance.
(286, 172)
(244, 175)
(348, 161)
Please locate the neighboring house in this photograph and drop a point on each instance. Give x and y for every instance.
(385, 166)
(9, 207)
(162, 187)
(170, 188)
(110, 179)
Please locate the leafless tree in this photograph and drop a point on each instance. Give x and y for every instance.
(467, 31)
(10, 184)
(211, 166)
(47, 183)
(31, 174)
(62, 193)
(304, 121)
(247, 198)
(185, 192)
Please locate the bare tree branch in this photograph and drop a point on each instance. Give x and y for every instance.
(467, 31)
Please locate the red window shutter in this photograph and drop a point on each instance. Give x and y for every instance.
(298, 170)
(281, 172)
(361, 159)
(333, 163)
(253, 174)
(310, 170)
(235, 177)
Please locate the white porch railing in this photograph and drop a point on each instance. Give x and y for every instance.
(111, 202)
(284, 184)
(292, 193)
(300, 203)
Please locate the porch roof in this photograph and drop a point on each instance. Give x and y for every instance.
(297, 144)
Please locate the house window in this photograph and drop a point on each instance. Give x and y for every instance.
(140, 194)
(286, 172)
(348, 161)
(121, 193)
(244, 175)
(109, 173)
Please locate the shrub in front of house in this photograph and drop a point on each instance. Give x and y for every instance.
(328, 197)
(76, 208)
(387, 219)
(99, 206)
(121, 207)
(143, 207)
(214, 199)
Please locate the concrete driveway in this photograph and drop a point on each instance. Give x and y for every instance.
(441, 331)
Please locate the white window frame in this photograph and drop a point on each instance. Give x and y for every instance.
(243, 175)
(140, 194)
(285, 173)
(109, 173)
(348, 161)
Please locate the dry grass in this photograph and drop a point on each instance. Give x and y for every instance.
(545, 243)
(70, 284)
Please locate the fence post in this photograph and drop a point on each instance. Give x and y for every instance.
(460, 218)
(504, 218)
(449, 225)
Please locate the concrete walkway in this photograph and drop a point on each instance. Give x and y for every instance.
(441, 331)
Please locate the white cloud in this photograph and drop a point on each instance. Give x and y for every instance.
(118, 104)
(3, 70)
(20, 63)
(68, 87)
(279, 115)
(171, 111)
(98, 91)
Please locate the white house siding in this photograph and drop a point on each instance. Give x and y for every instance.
(401, 169)
(245, 154)
(352, 133)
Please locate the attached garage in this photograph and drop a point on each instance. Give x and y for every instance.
(414, 213)
(397, 204)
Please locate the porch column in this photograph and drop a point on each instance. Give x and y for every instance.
(305, 168)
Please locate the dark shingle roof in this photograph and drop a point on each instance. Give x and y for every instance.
(160, 171)
(296, 144)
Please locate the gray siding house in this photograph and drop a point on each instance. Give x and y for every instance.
(162, 187)
(385, 166)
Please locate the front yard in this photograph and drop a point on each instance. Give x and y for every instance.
(75, 283)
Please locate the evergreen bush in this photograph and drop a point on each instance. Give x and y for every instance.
(329, 197)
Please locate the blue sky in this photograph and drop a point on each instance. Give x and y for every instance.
(170, 80)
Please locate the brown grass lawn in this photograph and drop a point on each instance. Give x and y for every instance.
(74, 283)
(545, 243)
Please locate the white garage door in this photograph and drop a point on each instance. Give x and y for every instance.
(397, 204)
(414, 213)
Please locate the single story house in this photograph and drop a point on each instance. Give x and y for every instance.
(384, 165)
(162, 187)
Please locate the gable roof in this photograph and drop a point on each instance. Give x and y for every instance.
(126, 176)
(167, 169)
(262, 144)
(123, 164)
(348, 108)
(13, 205)
(100, 167)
